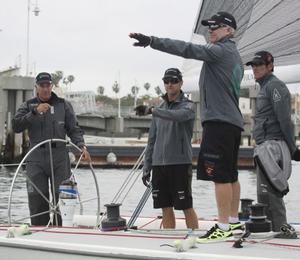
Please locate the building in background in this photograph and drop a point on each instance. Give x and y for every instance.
(82, 101)
(14, 90)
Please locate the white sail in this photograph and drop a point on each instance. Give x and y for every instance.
(272, 25)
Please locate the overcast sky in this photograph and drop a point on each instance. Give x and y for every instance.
(89, 39)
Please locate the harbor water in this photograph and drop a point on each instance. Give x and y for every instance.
(110, 180)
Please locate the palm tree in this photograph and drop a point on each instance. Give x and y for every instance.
(65, 81)
(71, 79)
(116, 87)
(135, 91)
(57, 76)
(158, 91)
(147, 86)
(100, 90)
(68, 80)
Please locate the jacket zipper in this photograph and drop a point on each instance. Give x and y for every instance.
(53, 127)
(204, 91)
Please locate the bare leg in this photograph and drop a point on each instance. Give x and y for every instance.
(168, 220)
(224, 196)
(191, 218)
(236, 193)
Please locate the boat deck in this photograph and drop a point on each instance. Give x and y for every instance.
(148, 242)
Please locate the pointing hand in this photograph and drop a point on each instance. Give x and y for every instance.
(142, 40)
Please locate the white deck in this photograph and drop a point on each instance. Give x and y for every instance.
(86, 243)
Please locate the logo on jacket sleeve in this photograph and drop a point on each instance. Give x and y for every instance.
(276, 95)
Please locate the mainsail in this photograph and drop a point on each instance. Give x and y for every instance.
(272, 25)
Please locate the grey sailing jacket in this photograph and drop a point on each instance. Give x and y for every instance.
(58, 122)
(274, 160)
(272, 119)
(220, 76)
(170, 133)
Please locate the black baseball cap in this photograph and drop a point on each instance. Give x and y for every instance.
(260, 58)
(220, 18)
(173, 73)
(43, 77)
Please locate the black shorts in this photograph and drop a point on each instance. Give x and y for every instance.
(172, 186)
(218, 155)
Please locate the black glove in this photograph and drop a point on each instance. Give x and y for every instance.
(142, 110)
(143, 40)
(296, 155)
(146, 178)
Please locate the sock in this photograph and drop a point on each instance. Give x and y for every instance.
(233, 220)
(223, 226)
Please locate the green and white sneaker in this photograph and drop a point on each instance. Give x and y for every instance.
(215, 234)
(236, 226)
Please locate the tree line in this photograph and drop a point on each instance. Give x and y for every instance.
(134, 89)
(132, 98)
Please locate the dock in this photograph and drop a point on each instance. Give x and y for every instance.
(125, 156)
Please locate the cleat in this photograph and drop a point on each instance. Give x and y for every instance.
(287, 232)
(215, 234)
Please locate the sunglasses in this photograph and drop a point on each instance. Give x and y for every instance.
(171, 80)
(45, 85)
(214, 27)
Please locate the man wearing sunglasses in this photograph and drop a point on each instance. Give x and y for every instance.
(275, 144)
(169, 152)
(47, 116)
(221, 118)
